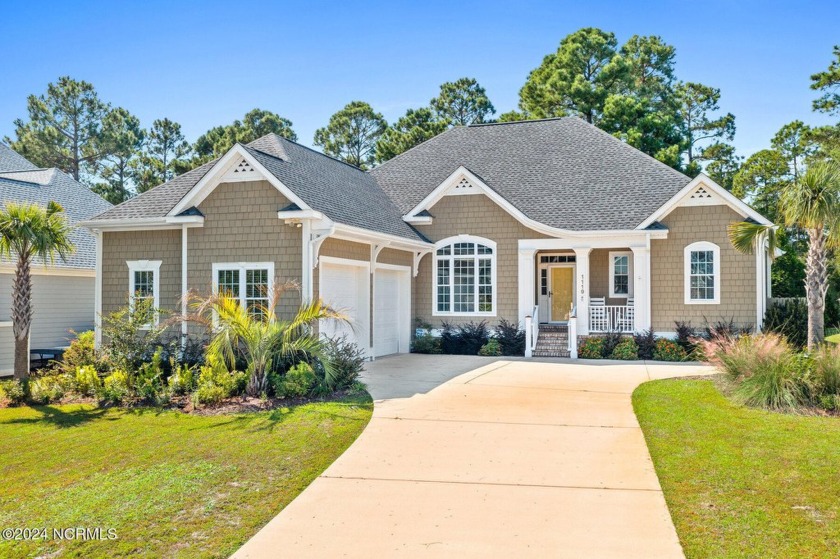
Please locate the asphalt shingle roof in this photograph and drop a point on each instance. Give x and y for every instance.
(342, 192)
(562, 172)
(27, 183)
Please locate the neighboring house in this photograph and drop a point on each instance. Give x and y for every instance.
(63, 292)
(549, 222)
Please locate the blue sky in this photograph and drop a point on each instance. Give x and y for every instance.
(207, 63)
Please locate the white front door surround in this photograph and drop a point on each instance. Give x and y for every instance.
(529, 266)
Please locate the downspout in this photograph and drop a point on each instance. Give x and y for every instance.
(97, 297)
(184, 287)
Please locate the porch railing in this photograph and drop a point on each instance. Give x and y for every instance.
(573, 333)
(611, 318)
(532, 331)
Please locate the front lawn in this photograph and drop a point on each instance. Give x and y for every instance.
(742, 482)
(169, 484)
(833, 335)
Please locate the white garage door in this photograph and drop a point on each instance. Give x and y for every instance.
(386, 318)
(345, 288)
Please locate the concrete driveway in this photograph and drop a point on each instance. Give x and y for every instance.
(509, 459)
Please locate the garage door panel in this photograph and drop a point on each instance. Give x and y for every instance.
(386, 323)
(345, 288)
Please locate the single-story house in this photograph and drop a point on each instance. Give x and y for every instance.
(552, 223)
(63, 292)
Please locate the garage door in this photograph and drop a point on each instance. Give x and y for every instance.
(387, 318)
(345, 288)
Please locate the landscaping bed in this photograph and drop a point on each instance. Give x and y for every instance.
(169, 484)
(742, 482)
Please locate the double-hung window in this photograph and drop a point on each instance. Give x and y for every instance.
(621, 275)
(465, 277)
(144, 286)
(248, 282)
(702, 273)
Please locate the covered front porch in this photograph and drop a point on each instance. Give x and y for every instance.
(571, 287)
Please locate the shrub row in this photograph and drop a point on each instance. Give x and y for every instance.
(629, 348)
(472, 338)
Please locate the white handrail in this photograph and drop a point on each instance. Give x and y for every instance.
(611, 318)
(532, 331)
(573, 333)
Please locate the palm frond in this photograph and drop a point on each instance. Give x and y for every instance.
(745, 236)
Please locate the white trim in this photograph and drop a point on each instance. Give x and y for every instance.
(463, 173)
(628, 239)
(630, 276)
(728, 198)
(184, 286)
(696, 247)
(582, 289)
(215, 176)
(6, 323)
(97, 293)
(359, 235)
(476, 257)
(144, 223)
(38, 270)
(419, 219)
(145, 266)
(344, 262)
(641, 290)
(299, 214)
(242, 267)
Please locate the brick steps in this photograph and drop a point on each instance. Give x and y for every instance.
(553, 341)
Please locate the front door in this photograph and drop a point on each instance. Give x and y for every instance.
(562, 292)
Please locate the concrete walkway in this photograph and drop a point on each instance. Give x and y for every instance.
(512, 459)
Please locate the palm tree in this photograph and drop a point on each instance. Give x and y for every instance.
(258, 335)
(29, 231)
(811, 203)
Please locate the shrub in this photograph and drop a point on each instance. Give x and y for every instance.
(296, 383)
(668, 350)
(148, 381)
(215, 383)
(87, 381)
(116, 387)
(81, 353)
(491, 349)
(48, 388)
(511, 338)
(14, 391)
(646, 342)
(724, 328)
(611, 340)
(465, 339)
(591, 348)
(790, 319)
(128, 340)
(826, 367)
(182, 380)
(626, 350)
(426, 343)
(686, 334)
(829, 402)
(346, 362)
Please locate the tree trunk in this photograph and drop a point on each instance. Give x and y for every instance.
(22, 314)
(816, 286)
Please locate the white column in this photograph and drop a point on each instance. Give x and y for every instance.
(582, 289)
(306, 261)
(97, 297)
(184, 286)
(641, 283)
(527, 283)
(761, 282)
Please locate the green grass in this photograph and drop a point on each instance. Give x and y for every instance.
(170, 484)
(833, 335)
(741, 482)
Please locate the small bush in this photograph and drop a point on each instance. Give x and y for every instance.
(626, 350)
(826, 367)
(49, 388)
(724, 328)
(81, 353)
(686, 334)
(426, 343)
(611, 340)
(465, 339)
(13, 391)
(491, 349)
(829, 402)
(511, 338)
(346, 361)
(591, 348)
(790, 319)
(182, 380)
(87, 381)
(646, 342)
(296, 383)
(116, 387)
(668, 350)
(215, 383)
(148, 381)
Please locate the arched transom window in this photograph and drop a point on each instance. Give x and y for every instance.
(465, 276)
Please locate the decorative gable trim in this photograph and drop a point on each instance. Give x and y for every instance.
(703, 191)
(238, 163)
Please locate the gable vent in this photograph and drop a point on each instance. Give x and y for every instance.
(243, 167)
(701, 193)
(464, 184)
(242, 171)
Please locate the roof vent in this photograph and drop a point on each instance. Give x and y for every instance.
(701, 193)
(463, 186)
(241, 171)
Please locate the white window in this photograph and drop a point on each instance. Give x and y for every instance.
(144, 284)
(702, 274)
(250, 282)
(465, 277)
(621, 275)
